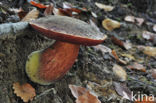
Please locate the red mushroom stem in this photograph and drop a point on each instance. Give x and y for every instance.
(57, 60)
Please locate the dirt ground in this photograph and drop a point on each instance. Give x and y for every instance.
(93, 66)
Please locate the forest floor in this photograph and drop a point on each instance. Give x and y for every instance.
(123, 64)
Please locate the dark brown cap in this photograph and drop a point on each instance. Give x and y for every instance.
(68, 29)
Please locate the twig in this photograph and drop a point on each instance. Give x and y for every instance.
(12, 28)
(45, 93)
(54, 3)
(6, 9)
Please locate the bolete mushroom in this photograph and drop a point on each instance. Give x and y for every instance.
(46, 66)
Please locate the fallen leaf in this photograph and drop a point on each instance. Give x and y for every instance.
(49, 10)
(123, 90)
(66, 12)
(57, 12)
(25, 91)
(70, 10)
(153, 72)
(39, 5)
(138, 21)
(130, 19)
(117, 58)
(115, 55)
(32, 15)
(94, 14)
(87, 98)
(110, 24)
(128, 56)
(21, 13)
(148, 35)
(117, 41)
(77, 90)
(103, 48)
(2, 54)
(67, 5)
(136, 66)
(154, 28)
(150, 51)
(103, 6)
(83, 95)
(119, 72)
(127, 45)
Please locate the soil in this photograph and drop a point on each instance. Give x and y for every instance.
(92, 65)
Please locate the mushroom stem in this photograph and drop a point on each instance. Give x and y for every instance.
(52, 63)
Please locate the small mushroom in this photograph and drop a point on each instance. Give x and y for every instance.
(46, 66)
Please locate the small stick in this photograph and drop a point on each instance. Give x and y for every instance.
(6, 9)
(45, 93)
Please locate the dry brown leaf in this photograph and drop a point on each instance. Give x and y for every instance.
(103, 48)
(115, 55)
(138, 21)
(67, 5)
(87, 98)
(105, 7)
(150, 51)
(110, 24)
(127, 45)
(117, 58)
(71, 7)
(66, 12)
(123, 90)
(83, 95)
(154, 28)
(39, 5)
(119, 72)
(49, 10)
(2, 54)
(122, 61)
(77, 90)
(94, 14)
(58, 12)
(21, 13)
(131, 57)
(130, 19)
(154, 73)
(32, 15)
(25, 91)
(149, 36)
(137, 66)
(117, 41)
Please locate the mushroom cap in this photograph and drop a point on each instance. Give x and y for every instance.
(68, 29)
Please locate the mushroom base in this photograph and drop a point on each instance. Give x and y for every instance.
(46, 66)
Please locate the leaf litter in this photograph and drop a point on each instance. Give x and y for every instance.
(105, 24)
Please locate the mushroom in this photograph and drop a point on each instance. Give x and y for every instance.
(46, 66)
